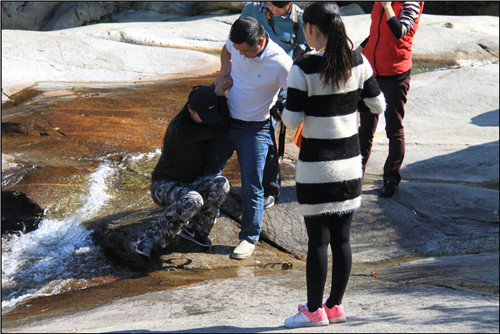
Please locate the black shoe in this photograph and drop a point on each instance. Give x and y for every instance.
(388, 189)
(144, 245)
(268, 202)
(195, 237)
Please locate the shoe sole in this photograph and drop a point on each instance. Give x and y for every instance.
(270, 205)
(267, 207)
(241, 256)
(142, 253)
(337, 320)
(187, 237)
(387, 195)
(309, 324)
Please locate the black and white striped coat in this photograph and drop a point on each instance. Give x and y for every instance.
(329, 173)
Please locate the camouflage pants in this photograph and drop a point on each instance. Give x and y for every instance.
(196, 204)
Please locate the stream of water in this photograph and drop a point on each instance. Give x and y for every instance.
(58, 255)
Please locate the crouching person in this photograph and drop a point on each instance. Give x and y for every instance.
(191, 200)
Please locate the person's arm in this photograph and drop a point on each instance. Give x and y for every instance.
(293, 114)
(224, 77)
(402, 25)
(222, 86)
(389, 12)
(362, 45)
(372, 99)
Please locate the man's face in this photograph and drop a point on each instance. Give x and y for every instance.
(276, 11)
(250, 51)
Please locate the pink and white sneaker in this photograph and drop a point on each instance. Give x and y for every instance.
(335, 314)
(307, 319)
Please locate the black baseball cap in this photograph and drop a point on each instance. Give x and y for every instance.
(204, 101)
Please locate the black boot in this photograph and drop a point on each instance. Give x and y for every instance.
(388, 189)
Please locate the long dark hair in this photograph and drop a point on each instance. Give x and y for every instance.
(338, 59)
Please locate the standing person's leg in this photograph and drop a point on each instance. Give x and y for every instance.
(395, 92)
(313, 313)
(251, 141)
(367, 127)
(272, 174)
(317, 258)
(272, 177)
(340, 232)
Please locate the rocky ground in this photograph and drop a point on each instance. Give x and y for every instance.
(441, 226)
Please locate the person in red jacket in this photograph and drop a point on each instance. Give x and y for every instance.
(388, 49)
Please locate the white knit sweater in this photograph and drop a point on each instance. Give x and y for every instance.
(329, 173)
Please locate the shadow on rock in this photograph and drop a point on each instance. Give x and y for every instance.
(446, 205)
(489, 118)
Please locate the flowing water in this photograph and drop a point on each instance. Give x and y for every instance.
(60, 254)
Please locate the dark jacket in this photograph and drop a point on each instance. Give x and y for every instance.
(185, 145)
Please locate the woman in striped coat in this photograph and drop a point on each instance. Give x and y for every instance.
(324, 88)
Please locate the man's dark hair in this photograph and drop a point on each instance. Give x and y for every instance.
(246, 30)
(280, 4)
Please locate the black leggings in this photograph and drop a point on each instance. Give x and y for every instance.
(323, 230)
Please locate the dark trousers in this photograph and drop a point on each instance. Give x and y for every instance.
(271, 180)
(395, 91)
(327, 230)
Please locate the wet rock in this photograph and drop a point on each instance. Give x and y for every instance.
(116, 235)
(9, 163)
(19, 213)
(13, 128)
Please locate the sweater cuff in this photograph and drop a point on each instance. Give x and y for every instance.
(395, 26)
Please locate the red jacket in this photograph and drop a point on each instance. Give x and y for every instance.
(386, 54)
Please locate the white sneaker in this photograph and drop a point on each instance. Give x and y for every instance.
(268, 202)
(307, 319)
(243, 250)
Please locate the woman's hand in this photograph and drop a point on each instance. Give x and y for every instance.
(389, 12)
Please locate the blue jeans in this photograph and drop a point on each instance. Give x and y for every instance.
(221, 150)
(251, 140)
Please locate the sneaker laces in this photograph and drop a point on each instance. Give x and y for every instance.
(140, 240)
(301, 309)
